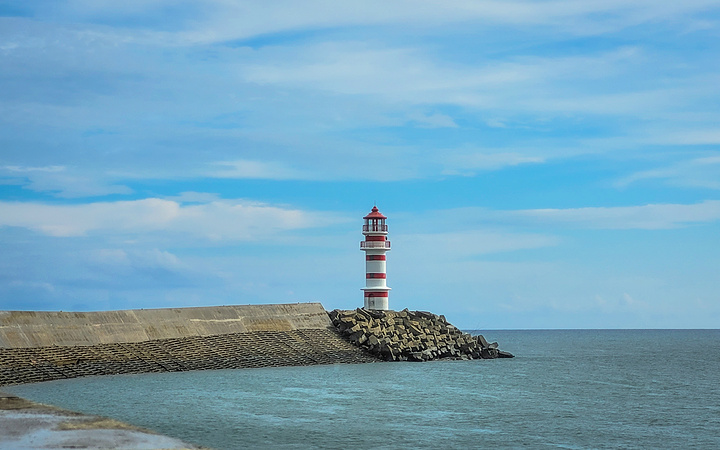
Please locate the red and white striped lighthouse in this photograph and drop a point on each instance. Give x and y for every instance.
(375, 246)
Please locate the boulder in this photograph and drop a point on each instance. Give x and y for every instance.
(411, 336)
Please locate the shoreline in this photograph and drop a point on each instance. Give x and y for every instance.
(25, 424)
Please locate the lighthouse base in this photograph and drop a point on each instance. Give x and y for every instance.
(378, 303)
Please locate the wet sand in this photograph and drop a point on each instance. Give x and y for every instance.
(29, 425)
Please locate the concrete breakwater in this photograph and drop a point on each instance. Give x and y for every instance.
(228, 351)
(43, 346)
(411, 336)
(31, 329)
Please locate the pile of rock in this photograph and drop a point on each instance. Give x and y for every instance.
(411, 336)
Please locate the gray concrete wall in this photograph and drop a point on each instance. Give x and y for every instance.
(29, 329)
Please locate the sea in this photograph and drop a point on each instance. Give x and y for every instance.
(573, 389)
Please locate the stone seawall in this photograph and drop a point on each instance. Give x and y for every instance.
(411, 336)
(227, 351)
(44, 346)
(30, 329)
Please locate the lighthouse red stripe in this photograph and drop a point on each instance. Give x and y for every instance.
(375, 238)
(374, 257)
(376, 294)
(375, 275)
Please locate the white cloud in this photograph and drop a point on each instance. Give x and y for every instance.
(467, 163)
(701, 172)
(44, 286)
(136, 259)
(461, 244)
(217, 220)
(302, 97)
(708, 160)
(194, 197)
(688, 136)
(435, 120)
(549, 85)
(648, 217)
(255, 169)
(25, 169)
(62, 181)
(496, 123)
(77, 220)
(218, 21)
(350, 68)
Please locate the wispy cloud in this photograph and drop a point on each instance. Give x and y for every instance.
(218, 21)
(693, 137)
(434, 120)
(25, 170)
(701, 172)
(255, 169)
(413, 76)
(647, 217)
(122, 260)
(61, 181)
(468, 163)
(230, 220)
(462, 244)
(285, 97)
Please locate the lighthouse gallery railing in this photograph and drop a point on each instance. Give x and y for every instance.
(381, 228)
(374, 244)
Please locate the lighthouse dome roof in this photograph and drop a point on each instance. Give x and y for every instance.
(375, 214)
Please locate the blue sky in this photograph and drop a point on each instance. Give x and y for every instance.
(543, 164)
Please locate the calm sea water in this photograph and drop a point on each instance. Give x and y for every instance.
(565, 389)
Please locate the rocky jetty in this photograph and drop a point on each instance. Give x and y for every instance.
(411, 336)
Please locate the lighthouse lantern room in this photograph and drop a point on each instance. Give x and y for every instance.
(375, 246)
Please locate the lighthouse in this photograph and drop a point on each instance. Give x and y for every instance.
(375, 246)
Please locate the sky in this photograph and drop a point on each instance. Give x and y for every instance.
(542, 164)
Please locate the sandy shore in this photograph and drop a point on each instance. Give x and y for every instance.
(29, 425)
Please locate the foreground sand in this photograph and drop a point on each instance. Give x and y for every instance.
(29, 425)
